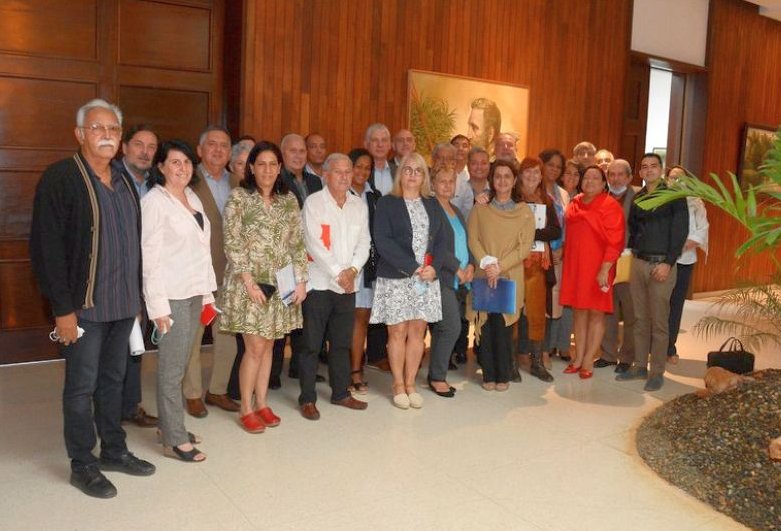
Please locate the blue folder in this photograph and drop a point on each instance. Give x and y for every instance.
(498, 300)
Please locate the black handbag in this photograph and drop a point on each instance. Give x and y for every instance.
(735, 359)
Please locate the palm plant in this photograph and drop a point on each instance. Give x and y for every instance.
(756, 310)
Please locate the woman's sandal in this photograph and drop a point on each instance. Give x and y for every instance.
(194, 439)
(361, 387)
(189, 456)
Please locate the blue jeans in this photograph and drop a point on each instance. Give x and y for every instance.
(94, 375)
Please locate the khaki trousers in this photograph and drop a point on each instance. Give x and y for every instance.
(623, 310)
(651, 301)
(224, 354)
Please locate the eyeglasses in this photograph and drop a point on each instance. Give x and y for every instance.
(96, 129)
(409, 170)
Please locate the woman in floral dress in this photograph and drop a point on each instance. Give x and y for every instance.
(263, 235)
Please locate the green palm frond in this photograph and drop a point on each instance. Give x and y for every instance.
(757, 207)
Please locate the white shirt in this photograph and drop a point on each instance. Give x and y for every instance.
(176, 253)
(336, 238)
(383, 178)
(698, 230)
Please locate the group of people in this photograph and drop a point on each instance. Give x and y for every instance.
(352, 258)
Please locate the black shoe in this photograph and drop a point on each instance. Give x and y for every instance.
(274, 383)
(451, 366)
(516, 376)
(538, 370)
(601, 364)
(460, 357)
(622, 367)
(319, 379)
(654, 382)
(292, 374)
(450, 393)
(92, 482)
(129, 464)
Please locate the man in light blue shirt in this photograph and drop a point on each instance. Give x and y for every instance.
(377, 141)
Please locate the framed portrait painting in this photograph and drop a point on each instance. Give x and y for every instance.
(757, 140)
(441, 106)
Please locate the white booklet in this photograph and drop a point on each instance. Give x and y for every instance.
(540, 218)
(286, 284)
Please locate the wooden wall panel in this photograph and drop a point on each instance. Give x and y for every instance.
(159, 34)
(744, 63)
(40, 112)
(35, 28)
(171, 113)
(18, 191)
(336, 67)
(54, 57)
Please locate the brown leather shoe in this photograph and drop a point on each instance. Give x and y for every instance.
(222, 401)
(196, 408)
(350, 403)
(309, 411)
(142, 419)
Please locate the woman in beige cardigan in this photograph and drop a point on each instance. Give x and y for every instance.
(500, 237)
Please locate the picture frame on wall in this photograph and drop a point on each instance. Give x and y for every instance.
(662, 152)
(441, 106)
(756, 141)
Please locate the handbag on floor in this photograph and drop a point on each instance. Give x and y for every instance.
(735, 358)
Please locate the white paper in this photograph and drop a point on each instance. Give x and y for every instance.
(136, 340)
(488, 260)
(286, 284)
(540, 218)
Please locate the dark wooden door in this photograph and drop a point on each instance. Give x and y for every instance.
(159, 61)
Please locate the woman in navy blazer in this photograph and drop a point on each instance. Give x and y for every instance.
(408, 233)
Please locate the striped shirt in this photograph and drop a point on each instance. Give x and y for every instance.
(117, 281)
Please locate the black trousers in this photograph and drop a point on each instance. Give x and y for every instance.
(92, 395)
(677, 299)
(131, 392)
(496, 349)
(326, 315)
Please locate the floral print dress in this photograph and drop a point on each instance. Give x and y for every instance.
(397, 300)
(261, 239)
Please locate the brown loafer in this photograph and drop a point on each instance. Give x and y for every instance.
(222, 402)
(196, 408)
(350, 403)
(309, 411)
(142, 419)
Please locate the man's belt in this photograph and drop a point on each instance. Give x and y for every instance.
(652, 258)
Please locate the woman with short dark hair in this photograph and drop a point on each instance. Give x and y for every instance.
(179, 281)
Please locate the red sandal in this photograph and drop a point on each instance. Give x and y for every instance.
(571, 369)
(268, 417)
(252, 423)
(585, 374)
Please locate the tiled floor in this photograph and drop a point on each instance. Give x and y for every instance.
(554, 456)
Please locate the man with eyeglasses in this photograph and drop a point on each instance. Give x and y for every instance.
(139, 144)
(213, 188)
(86, 256)
(656, 238)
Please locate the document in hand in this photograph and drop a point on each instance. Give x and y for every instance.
(498, 300)
(286, 284)
(540, 218)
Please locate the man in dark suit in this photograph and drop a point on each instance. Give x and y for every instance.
(213, 189)
(139, 144)
(302, 184)
(619, 179)
(377, 141)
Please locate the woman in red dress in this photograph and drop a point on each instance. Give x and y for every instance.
(595, 239)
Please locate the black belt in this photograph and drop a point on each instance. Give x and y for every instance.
(652, 258)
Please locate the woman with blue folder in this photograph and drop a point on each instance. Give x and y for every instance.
(500, 237)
